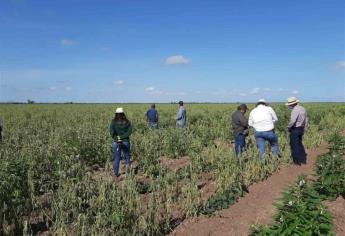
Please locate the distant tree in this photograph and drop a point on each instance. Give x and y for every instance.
(31, 101)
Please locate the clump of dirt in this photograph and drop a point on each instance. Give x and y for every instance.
(206, 185)
(337, 209)
(174, 164)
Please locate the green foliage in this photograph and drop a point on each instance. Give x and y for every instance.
(50, 151)
(300, 212)
(330, 169)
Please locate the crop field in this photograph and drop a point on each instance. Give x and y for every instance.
(56, 166)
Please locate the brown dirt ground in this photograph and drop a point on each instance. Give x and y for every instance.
(254, 207)
(174, 164)
(337, 209)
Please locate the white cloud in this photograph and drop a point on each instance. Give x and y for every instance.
(243, 94)
(52, 88)
(255, 91)
(119, 82)
(178, 59)
(67, 42)
(339, 65)
(295, 92)
(149, 89)
(68, 88)
(267, 89)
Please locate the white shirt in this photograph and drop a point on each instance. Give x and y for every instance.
(262, 118)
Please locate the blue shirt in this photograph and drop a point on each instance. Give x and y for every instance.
(152, 115)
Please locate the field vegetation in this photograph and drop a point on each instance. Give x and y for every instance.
(56, 166)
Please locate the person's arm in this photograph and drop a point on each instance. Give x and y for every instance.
(293, 119)
(250, 120)
(179, 114)
(243, 121)
(127, 133)
(112, 130)
(274, 116)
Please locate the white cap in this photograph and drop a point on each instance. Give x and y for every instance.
(262, 100)
(119, 110)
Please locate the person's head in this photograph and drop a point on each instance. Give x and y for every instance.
(292, 102)
(180, 103)
(120, 116)
(242, 108)
(153, 106)
(261, 102)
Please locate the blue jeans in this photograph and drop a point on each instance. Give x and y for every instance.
(269, 136)
(124, 147)
(240, 143)
(298, 153)
(153, 125)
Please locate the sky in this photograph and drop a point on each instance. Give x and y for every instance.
(163, 51)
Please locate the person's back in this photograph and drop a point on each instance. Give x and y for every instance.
(152, 115)
(262, 118)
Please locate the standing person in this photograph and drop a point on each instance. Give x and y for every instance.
(298, 122)
(181, 117)
(152, 117)
(120, 130)
(240, 128)
(262, 119)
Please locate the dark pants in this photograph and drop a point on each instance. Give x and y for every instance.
(298, 153)
(240, 143)
(0, 133)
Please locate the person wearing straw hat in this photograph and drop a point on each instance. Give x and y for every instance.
(262, 119)
(298, 122)
(120, 131)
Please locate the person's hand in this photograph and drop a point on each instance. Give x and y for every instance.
(119, 139)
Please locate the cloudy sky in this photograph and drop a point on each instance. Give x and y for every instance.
(162, 51)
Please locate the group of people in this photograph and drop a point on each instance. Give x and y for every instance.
(121, 129)
(263, 118)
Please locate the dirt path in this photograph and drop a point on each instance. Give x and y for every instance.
(254, 207)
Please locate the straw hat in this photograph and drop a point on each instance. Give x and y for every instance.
(119, 110)
(291, 101)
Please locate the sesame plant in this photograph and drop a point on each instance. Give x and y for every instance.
(56, 166)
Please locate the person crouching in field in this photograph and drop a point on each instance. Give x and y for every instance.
(240, 128)
(298, 122)
(262, 119)
(152, 117)
(181, 117)
(120, 130)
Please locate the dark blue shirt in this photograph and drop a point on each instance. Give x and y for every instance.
(152, 115)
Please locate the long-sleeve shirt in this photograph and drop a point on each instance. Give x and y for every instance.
(239, 122)
(298, 117)
(181, 117)
(123, 130)
(262, 118)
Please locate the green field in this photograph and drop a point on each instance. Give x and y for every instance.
(56, 166)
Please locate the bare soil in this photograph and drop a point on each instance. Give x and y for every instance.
(174, 164)
(337, 209)
(254, 207)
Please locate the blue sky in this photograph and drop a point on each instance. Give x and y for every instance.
(162, 51)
